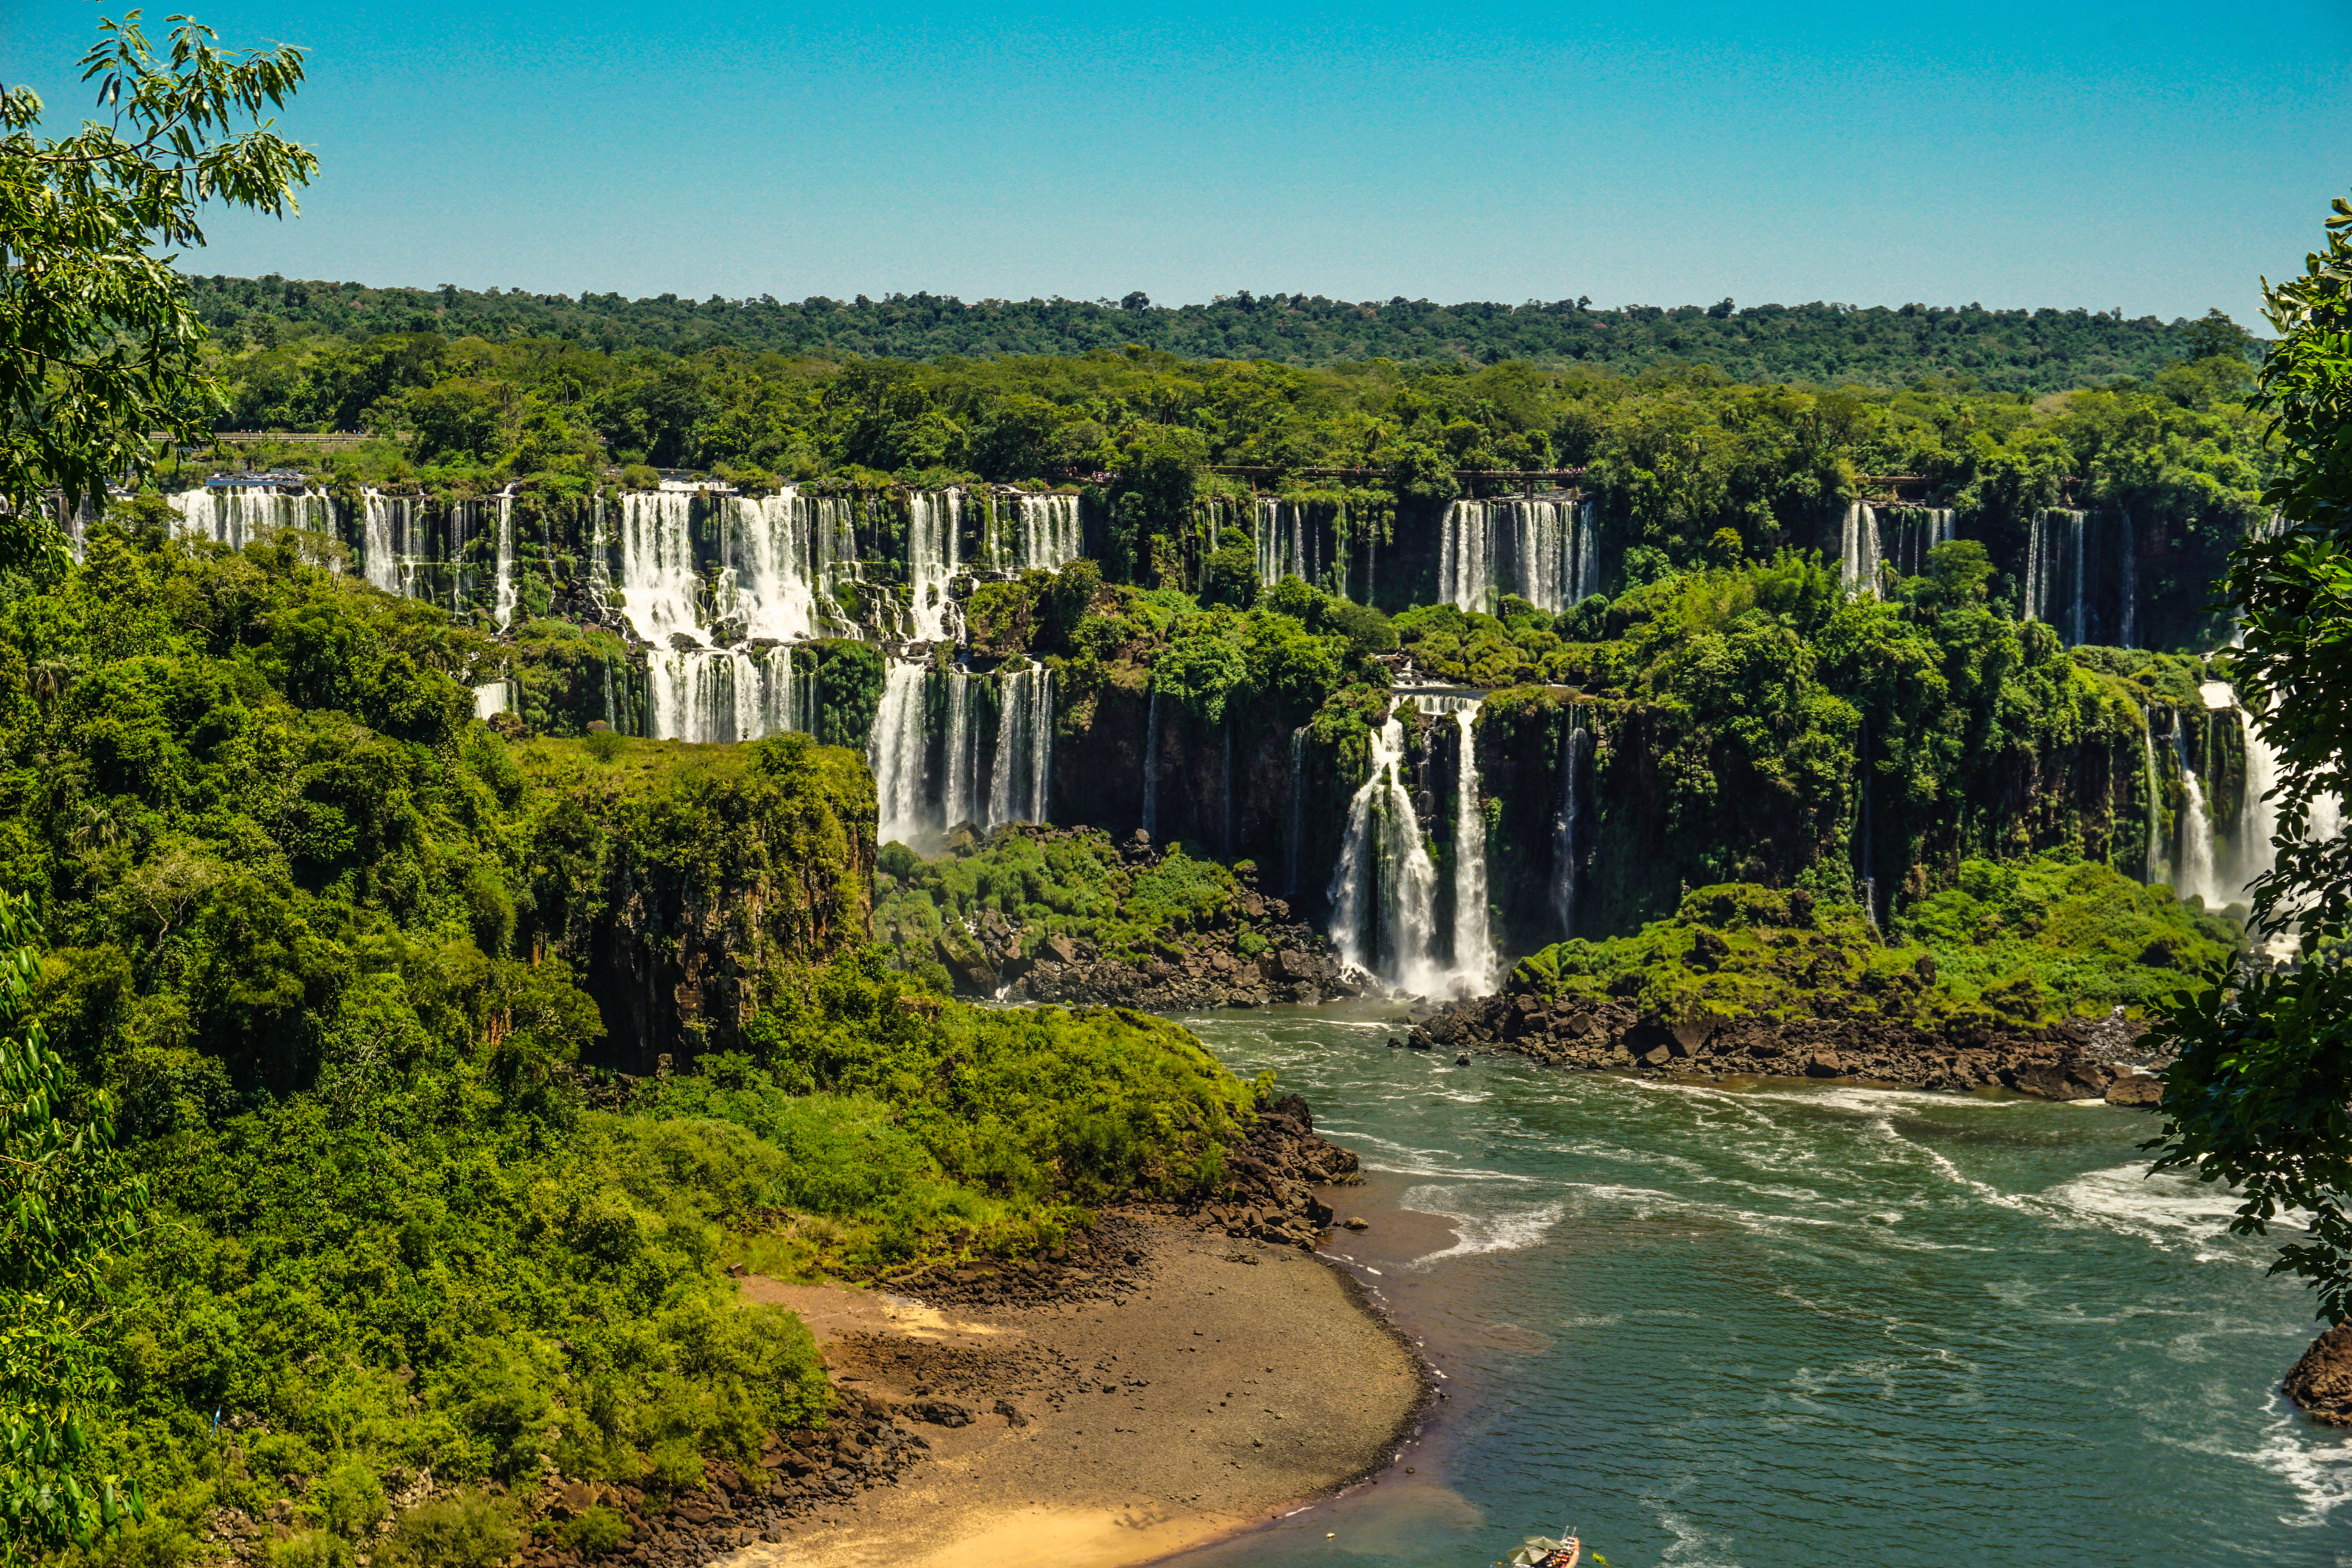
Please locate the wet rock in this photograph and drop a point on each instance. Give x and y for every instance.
(2321, 1380)
(2140, 1091)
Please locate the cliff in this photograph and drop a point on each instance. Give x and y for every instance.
(684, 882)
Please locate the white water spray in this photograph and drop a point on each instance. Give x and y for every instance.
(1383, 889)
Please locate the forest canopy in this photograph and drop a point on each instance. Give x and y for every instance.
(2009, 351)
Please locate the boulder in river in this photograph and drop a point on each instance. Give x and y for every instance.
(2322, 1381)
(2140, 1091)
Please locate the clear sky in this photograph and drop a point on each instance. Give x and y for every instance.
(2150, 154)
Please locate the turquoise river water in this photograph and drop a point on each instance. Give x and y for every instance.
(1779, 1324)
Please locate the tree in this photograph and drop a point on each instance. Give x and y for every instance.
(2260, 1095)
(99, 341)
(2216, 336)
(65, 1202)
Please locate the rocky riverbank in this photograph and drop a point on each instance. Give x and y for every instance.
(2067, 1062)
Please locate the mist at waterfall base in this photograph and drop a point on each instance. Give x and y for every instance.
(1783, 1325)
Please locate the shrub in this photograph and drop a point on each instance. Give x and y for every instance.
(595, 1531)
(310, 1549)
(348, 1499)
(465, 1528)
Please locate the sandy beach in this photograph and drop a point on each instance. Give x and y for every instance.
(1235, 1383)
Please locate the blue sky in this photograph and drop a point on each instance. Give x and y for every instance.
(2151, 156)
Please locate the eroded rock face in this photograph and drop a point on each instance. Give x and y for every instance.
(2321, 1381)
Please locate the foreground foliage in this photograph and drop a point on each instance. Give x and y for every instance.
(99, 341)
(2258, 1098)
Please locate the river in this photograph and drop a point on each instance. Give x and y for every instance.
(1782, 1325)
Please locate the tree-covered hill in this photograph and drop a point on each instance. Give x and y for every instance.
(2009, 351)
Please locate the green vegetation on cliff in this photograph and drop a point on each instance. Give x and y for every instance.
(1070, 884)
(2016, 945)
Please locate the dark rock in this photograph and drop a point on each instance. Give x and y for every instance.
(2138, 1090)
(2321, 1380)
(939, 1411)
(1694, 1034)
(2062, 1080)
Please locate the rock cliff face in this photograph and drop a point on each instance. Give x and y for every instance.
(1061, 914)
(1198, 970)
(683, 882)
(2053, 1064)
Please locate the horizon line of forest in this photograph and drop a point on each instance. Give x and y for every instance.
(2014, 350)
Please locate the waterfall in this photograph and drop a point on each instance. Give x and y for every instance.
(237, 515)
(461, 515)
(1265, 539)
(1050, 532)
(1917, 531)
(2327, 818)
(779, 552)
(718, 695)
(769, 557)
(1538, 550)
(1021, 769)
(898, 749)
(1474, 941)
(961, 759)
(2033, 606)
(1584, 557)
(386, 527)
(1466, 557)
(2257, 814)
(1383, 891)
(492, 699)
(2196, 874)
(1152, 765)
(1283, 540)
(934, 521)
(2152, 859)
(1296, 851)
(658, 581)
(2078, 529)
(505, 604)
(1564, 825)
(2131, 585)
(1858, 555)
